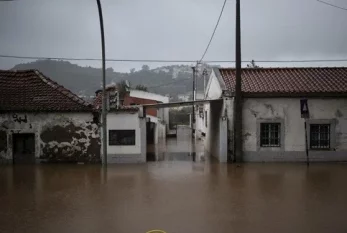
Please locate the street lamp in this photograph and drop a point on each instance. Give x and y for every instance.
(104, 94)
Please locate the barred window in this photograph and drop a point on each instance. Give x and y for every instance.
(320, 136)
(270, 134)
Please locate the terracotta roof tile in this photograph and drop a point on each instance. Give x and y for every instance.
(30, 90)
(288, 80)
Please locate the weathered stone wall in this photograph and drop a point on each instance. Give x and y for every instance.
(59, 137)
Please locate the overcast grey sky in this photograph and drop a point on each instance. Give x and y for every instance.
(172, 29)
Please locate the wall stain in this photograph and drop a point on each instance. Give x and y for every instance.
(270, 107)
(338, 113)
(60, 133)
(246, 136)
(71, 143)
(254, 113)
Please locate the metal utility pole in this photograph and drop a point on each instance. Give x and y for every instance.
(238, 91)
(104, 94)
(194, 95)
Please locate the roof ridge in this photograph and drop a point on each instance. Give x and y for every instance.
(61, 89)
(285, 68)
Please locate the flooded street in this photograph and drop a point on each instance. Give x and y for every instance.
(175, 194)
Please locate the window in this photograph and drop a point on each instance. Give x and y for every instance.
(270, 134)
(121, 137)
(320, 136)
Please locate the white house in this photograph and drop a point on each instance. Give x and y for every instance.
(159, 117)
(126, 136)
(272, 126)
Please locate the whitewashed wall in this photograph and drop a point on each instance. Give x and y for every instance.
(59, 137)
(127, 154)
(216, 132)
(213, 90)
(149, 95)
(287, 110)
(163, 113)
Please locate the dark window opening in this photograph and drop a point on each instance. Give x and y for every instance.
(270, 134)
(320, 136)
(121, 137)
(205, 118)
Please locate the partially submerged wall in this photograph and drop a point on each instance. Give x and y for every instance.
(59, 137)
(287, 112)
(123, 120)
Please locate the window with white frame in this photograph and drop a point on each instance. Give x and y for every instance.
(270, 134)
(320, 136)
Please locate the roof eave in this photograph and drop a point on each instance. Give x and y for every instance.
(228, 93)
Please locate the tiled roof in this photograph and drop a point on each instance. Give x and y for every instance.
(30, 90)
(288, 80)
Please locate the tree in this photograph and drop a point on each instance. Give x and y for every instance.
(145, 67)
(132, 70)
(252, 65)
(141, 87)
(122, 88)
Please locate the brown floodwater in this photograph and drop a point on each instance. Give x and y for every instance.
(178, 196)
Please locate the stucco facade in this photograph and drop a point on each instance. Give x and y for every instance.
(286, 112)
(58, 137)
(327, 104)
(127, 120)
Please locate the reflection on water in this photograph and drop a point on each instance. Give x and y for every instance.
(177, 196)
(180, 148)
(182, 192)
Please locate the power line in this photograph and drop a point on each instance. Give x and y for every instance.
(169, 61)
(92, 59)
(332, 5)
(214, 31)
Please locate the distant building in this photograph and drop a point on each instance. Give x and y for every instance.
(273, 129)
(130, 130)
(41, 121)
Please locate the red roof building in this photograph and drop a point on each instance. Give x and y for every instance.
(30, 90)
(287, 115)
(41, 121)
(288, 81)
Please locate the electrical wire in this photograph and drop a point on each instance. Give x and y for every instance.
(332, 5)
(169, 61)
(214, 31)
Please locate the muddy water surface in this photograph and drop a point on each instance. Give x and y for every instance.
(178, 196)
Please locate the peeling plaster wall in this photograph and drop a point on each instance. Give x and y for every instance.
(59, 137)
(287, 110)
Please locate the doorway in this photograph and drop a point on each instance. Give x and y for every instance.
(24, 148)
